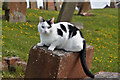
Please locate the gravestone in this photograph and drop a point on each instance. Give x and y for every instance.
(58, 5)
(113, 5)
(84, 7)
(52, 5)
(66, 11)
(33, 5)
(56, 64)
(15, 11)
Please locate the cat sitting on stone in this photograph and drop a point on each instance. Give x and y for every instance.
(63, 35)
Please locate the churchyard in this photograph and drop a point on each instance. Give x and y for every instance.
(100, 31)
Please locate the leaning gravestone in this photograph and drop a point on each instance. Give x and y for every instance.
(15, 11)
(66, 11)
(43, 63)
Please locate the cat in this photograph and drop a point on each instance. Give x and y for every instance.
(63, 35)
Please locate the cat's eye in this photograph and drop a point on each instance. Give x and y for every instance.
(42, 26)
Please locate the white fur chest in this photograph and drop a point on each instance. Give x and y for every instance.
(47, 39)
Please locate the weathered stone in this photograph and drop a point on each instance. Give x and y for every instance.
(33, 5)
(15, 11)
(57, 64)
(66, 11)
(11, 63)
(12, 60)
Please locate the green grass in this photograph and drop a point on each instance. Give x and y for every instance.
(100, 31)
(19, 73)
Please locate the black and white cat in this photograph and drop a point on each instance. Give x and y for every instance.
(63, 35)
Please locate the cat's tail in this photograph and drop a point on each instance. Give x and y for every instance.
(83, 61)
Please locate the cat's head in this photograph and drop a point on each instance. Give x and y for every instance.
(46, 25)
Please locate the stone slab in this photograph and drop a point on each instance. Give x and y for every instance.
(12, 60)
(57, 64)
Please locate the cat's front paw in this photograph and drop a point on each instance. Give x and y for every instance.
(39, 44)
(51, 48)
(35, 47)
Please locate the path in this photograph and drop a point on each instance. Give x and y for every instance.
(106, 76)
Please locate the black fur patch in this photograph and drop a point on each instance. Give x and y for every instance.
(72, 31)
(81, 34)
(48, 21)
(59, 32)
(63, 27)
(43, 20)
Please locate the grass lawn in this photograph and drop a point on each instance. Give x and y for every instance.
(100, 31)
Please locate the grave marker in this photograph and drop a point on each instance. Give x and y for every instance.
(33, 5)
(84, 7)
(15, 11)
(66, 11)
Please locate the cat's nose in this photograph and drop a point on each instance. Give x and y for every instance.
(45, 31)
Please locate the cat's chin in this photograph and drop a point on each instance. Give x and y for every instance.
(45, 33)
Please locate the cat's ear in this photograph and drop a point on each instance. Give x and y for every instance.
(41, 19)
(52, 20)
